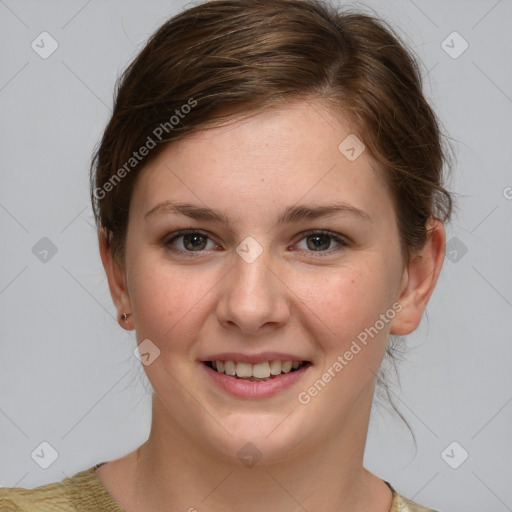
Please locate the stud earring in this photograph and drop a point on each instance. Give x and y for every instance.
(125, 316)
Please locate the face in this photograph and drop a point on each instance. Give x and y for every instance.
(264, 267)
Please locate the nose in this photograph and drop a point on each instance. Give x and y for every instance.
(253, 298)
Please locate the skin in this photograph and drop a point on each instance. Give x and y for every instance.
(290, 299)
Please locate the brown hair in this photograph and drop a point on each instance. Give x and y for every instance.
(251, 55)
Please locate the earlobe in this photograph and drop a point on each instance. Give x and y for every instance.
(116, 282)
(419, 280)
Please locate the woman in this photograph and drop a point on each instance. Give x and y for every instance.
(270, 206)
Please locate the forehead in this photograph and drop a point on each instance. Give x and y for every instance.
(300, 152)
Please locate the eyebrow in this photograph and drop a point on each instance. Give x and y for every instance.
(290, 215)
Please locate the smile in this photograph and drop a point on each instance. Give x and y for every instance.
(263, 371)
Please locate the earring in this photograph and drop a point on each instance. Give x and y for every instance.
(125, 316)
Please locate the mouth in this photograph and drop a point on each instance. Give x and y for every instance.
(258, 372)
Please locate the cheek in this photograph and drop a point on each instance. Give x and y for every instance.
(346, 304)
(351, 336)
(165, 303)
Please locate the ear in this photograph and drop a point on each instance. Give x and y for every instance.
(116, 282)
(419, 280)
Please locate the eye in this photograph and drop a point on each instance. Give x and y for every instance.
(322, 241)
(190, 241)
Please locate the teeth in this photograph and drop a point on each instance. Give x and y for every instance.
(243, 370)
(259, 370)
(230, 368)
(287, 366)
(275, 367)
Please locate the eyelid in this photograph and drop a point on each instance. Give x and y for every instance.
(332, 234)
(176, 234)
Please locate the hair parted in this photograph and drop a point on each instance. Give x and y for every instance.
(250, 55)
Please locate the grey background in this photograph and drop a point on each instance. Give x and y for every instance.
(67, 371)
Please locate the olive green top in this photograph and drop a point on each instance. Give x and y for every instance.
(84, 492)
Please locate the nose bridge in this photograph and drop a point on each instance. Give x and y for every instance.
(252, 295)
(253, 276)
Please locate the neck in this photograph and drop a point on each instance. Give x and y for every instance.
(172, 468)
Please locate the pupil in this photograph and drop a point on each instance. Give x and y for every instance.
(194, 241)
(319, 242)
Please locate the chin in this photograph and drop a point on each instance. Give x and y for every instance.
(260, 438)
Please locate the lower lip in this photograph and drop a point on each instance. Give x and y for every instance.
(255, 389)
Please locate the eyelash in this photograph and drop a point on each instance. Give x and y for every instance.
(341, 241)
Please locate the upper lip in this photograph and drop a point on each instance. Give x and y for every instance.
(253, 358)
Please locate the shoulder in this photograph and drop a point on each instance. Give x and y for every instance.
(401, 504)
(81, 492)
(41, 499)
